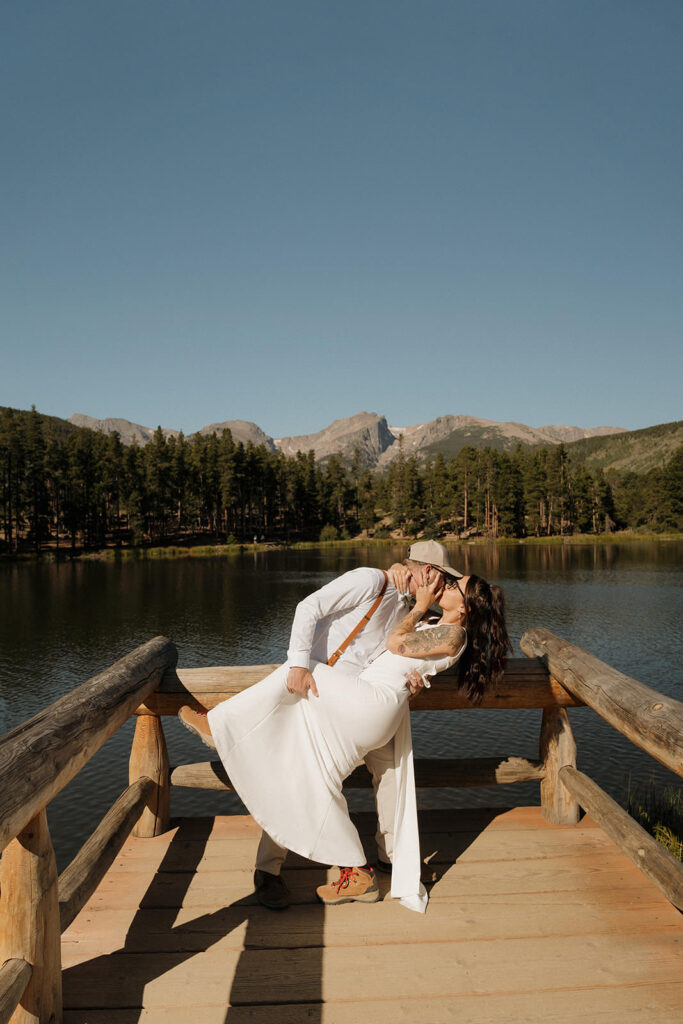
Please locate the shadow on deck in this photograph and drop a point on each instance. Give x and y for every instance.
(527, 922)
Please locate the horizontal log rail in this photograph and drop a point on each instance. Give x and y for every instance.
(429, 772)
(461, 772)
(38, 758)
(648, 718)
(15, 975)
(527, 684)
(651, 857)
(79, 880)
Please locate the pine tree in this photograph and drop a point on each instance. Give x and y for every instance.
(508, 496)
(12, 467)
(558, 490)
(135, 494)
(467, 461)
(35, 491)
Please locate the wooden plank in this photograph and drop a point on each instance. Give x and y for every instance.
(15, 975)
(206, 888)
(509, 845)
(609, 912)
(440, 771)
(608, 1006)
(149, 759)
(85, 872)
(417, 971)
(39, 757)
(29, 920)
(437, 848)
(527, 819)
(660, 866)
(526, 684)
(635, 1004)
(465, 819)
(648, 718)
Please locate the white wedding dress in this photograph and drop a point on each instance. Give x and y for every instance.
(287, 757)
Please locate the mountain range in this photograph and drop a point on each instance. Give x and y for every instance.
(370, 434)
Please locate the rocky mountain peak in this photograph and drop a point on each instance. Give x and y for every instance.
(241, 430)
(129, 432)
(365, 431)
(370, 435)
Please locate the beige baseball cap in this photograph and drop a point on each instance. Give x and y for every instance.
(433, 553)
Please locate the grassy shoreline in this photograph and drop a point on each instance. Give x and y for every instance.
(173, 551)
(659, 811)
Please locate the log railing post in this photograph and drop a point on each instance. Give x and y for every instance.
(149, 758)
(557, 749)
(29, 920)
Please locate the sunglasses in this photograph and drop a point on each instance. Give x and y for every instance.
(451, 584)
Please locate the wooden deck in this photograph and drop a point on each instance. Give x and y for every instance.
(528, 922)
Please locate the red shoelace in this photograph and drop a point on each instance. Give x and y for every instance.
(345, 876)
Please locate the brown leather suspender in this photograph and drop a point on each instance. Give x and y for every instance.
(334, 658)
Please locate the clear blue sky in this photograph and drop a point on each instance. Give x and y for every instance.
(288, 212)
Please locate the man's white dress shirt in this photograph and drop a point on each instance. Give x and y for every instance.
(324, 619)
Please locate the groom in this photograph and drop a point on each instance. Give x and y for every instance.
(322, 622)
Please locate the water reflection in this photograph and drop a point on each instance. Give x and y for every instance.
(60, 624)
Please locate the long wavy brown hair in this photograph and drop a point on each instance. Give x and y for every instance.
(483, 660)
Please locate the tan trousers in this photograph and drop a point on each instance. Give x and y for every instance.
(270, 855)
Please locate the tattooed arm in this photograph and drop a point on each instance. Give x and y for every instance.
(425, 643)
(435, 642)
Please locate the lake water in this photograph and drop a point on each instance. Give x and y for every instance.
(60, 624)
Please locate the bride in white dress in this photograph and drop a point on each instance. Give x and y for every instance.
(287, 756)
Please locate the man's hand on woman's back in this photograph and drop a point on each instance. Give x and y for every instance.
(399, 576)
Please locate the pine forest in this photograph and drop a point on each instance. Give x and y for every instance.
(78, 489)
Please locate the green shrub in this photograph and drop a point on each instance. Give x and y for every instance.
(660, 811)
(329, 532)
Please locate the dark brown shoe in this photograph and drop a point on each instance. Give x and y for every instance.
(270, 890)
(383, 866)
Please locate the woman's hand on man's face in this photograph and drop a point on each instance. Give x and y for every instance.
(430, 584)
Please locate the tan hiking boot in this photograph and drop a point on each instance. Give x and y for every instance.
(197, 722)
(353, 884)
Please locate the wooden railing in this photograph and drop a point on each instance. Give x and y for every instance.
(527, 685)
(39, 758)
(643, 715)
